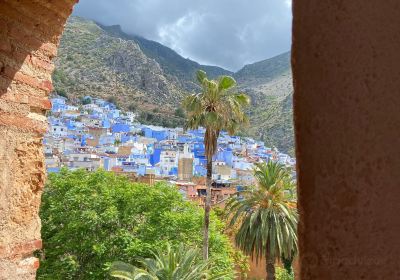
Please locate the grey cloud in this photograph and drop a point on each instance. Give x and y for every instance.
(228, 33)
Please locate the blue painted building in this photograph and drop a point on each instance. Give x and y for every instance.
(155, 157)
(58, 104)
(159, 134)
(120, 127)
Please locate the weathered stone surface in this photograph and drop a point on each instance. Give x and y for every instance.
(346, 106)
(29, 35)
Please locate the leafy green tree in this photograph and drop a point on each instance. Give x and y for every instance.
(217, 107)
(91, 219)
(183, 263)
(267, 216)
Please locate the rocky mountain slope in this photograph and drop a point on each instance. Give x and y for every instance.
(143, 75)
(92, 62)
(269, 83)
(180, 69)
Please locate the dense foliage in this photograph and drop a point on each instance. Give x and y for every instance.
(266, 216)
(90, 220)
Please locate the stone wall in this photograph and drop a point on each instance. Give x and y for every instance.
(29, 35)
(346, 68)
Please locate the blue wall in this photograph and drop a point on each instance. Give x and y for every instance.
(155, 157)
(157, 134)
(120, 127)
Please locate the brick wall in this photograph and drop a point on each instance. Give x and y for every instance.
(29, 36)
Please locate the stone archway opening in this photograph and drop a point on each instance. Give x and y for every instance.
(345, 56)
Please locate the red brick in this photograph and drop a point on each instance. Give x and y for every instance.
(36, 263)
(42, 103)
(29, 263)
(40, 63)
(13, 97)
(20, 249)
(46, 85)
(61, 8)
(28, 80)
(23, 123)
(50, 49)
(26, 40)
(27, 247)
(34, 101)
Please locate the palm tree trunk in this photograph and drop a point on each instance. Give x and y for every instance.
(270, 267)
(207, 208)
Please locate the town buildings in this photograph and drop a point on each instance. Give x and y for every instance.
(98, 135)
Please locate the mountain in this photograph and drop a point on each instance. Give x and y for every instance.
(91, 61)
(170, 61)
(269, 83)
(140, 74)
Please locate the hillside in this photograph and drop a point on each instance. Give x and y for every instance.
(92, 62)
(140, 74)
(172, 63)
(269, 83)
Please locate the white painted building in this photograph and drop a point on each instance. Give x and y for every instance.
(168, 161)
(86, 161)
(58, 130)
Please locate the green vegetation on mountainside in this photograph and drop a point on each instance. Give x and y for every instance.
(92, 62)
(269, 83)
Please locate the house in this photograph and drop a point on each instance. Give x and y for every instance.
(155, 132)
(221, 171)
(83, 160)
(168, 161)
(58, 129)
(58, 104)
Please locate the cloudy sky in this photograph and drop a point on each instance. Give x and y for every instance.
(227, 33)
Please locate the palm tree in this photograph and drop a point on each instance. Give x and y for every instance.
(267, 216)
(181, 264)
(217, 107)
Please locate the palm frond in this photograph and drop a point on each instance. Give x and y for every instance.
(181, 263)
(267, 214)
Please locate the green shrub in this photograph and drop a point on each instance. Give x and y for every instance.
(90, 220)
